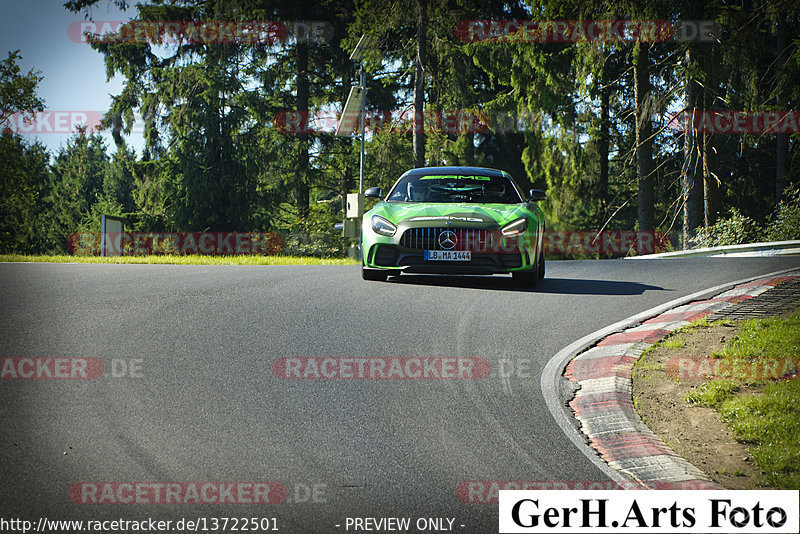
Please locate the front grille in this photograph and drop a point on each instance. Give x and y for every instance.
(466, 239)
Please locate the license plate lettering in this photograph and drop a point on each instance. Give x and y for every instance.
(448, 255)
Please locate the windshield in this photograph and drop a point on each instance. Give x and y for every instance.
(455, 188)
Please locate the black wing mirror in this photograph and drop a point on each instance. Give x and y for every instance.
(373, 192)
(537, 195)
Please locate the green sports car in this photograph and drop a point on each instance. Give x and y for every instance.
(454, 220)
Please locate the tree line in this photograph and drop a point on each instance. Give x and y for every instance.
(585, 119)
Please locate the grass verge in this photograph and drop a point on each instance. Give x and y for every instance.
(766, 417)
(189, 259)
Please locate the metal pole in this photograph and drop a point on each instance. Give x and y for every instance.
(363, 105)
(103, 235)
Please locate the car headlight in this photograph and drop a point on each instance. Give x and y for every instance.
(382, 226)
(515, 228)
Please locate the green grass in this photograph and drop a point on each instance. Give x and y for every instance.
(765, 338)
(703, 323)
(189, 259)
(712, 394)
(768, 420)
(673, 342)
(772, 421)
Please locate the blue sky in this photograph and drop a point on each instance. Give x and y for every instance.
(74, 74)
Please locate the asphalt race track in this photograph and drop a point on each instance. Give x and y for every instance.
(204, 404)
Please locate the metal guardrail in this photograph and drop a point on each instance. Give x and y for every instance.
(775, 248)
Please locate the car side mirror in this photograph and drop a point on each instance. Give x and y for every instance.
(537, 195)
(373, 192)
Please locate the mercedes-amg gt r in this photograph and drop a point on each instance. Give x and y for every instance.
(454, 220)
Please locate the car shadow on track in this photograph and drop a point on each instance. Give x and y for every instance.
(563, 286)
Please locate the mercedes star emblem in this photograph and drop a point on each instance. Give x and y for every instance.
(447, 239)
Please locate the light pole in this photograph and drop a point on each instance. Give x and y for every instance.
(355, 104)
(358, 57)
(363, 112)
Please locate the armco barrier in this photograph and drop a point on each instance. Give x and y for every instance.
(775, 248)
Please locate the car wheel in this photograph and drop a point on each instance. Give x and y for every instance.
(541, 264)
(374, 274)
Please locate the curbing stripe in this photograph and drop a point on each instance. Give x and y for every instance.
(646, 336)
(613, 350)
(685, 316)
(634, 444)
(667, 468)
(605, 384)
(611, 422)
(603, 404)
(709, 306)
(751, 291)
(769, 282)
(734, 299)
(598, 367)
(660, 323)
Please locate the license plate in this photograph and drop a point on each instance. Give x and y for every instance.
(448, 255)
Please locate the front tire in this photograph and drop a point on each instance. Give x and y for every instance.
(541, 265)
(530, 277)
(525, 278)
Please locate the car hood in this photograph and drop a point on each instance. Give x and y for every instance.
(457, 214)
